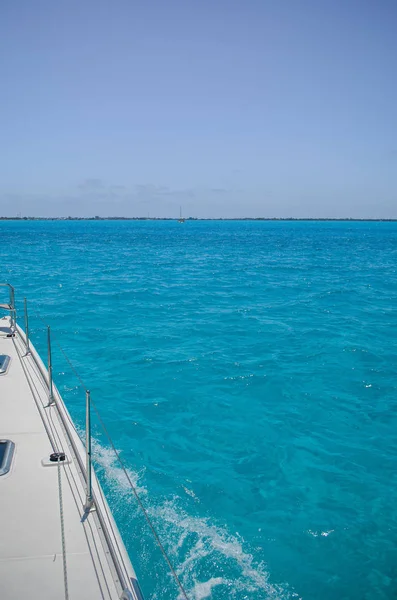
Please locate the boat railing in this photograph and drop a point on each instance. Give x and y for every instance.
(54, 398)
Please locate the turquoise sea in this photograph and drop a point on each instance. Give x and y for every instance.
(247, 372)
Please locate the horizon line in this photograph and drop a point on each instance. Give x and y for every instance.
(116, 218)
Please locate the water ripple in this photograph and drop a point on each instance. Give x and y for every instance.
(247, 373)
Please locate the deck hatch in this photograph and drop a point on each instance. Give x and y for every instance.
(7, 448)
(4, 362)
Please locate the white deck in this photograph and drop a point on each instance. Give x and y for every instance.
(31, 564)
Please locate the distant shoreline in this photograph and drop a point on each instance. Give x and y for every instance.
(193, 219)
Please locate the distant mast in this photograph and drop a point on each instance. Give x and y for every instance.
(181, 219)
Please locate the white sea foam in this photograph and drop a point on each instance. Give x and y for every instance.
(320, 533)
(115, 475)
(105, 458)
(203, 590)
(195, 544)
(191, 493)
(215, 546)
(326, 533)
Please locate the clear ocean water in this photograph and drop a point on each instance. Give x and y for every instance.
(247, 372)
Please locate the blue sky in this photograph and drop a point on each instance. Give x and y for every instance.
(228, 108)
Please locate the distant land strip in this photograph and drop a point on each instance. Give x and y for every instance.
(96, 218)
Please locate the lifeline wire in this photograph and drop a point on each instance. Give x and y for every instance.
(145, 513)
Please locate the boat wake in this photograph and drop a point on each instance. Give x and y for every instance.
(211, 562)
(207, 548)
(105, 458)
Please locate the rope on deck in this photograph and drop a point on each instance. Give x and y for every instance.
(65, 571)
